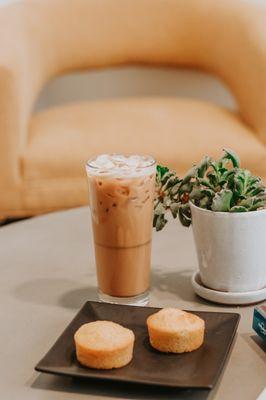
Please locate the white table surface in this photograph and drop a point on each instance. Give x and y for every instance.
(47, 273)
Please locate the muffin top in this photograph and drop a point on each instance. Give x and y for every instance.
(174, 320)
(103, 336)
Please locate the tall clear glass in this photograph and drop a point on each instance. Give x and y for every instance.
(121, 194)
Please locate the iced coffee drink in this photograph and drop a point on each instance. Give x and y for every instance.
(121, 193)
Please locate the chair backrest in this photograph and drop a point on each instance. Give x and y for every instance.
(225, 37)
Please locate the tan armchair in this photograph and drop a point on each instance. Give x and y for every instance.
(42, 156)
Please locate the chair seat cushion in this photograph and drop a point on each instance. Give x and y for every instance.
(177, 132)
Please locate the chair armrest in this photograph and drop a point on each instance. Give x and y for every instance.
(19, 80)
(237, 52)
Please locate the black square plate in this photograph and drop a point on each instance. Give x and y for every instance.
(198, 369)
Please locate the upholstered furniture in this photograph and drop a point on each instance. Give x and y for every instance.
(42, 156)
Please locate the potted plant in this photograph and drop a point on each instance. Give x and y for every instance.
(227, 207)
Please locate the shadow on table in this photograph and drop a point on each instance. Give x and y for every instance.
(72, 294)
(76, 298)
(59, 292)
(118, 390)
(256, 343)
(173, 282)
(178, 283)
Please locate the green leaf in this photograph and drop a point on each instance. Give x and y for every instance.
(238, 209)
(165, 178)
(254, 181)
(161, 170)
(204, 202)
(185, 215)
(167, 202)
(259, 205)
(206, 183)
(239, 182)
(221, 201)
(213, 178)
(255, 191)
(174, 207)
(215, 166)
(203, 166)
(160, 222)
(159, 209)
(170, 183)
(212, 185)
(247, 202)
(176, 186)
(185, 188)
(230, 155)
(155, 217)
(192, 173)
(228, 173)
(195, 194)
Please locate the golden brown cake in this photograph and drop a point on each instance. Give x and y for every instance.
(174, 331)
(104, 345)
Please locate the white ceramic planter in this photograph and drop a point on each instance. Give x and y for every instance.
(231, 249)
